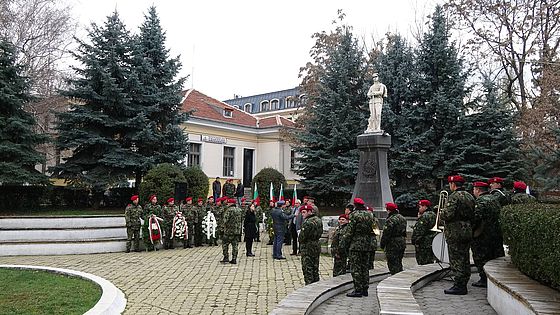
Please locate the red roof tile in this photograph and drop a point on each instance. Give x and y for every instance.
(275, 121)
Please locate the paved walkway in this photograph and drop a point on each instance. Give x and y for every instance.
(432, 300)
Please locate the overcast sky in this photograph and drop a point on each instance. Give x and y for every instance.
(248, 47)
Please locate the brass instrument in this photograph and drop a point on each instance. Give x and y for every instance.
(443, 195)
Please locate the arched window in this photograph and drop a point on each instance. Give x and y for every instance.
(265, 106)
(290, 102)
(302, 100)
(274, 104)
(248, 107)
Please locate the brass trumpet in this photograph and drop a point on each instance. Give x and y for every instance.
(443, 195)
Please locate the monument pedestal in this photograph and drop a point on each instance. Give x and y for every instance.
(372, 183)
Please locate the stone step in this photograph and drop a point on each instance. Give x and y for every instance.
(61, 222)
(63, 247)
(46, 235)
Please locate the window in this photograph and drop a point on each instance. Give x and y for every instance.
(228, 113)
(193, 158)
(248, 107)
(290, 102)
(265, 106)
(229, 155)
(274, 104)
(293, 163)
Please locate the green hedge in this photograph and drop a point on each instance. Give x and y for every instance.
(532, 232)
(197, 183)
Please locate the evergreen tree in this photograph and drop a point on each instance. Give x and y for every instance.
(335, 86)
(18, 139)
(160, 95)
(104, 124)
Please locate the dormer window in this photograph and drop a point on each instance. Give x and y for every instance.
(228, 113)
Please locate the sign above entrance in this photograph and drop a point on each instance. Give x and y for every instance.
(214, 139)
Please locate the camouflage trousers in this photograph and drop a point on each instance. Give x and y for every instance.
(340, 265)
(484, 251)
(146, 237)
(310, 262)
(424, 255)
(359, 260)
(228, 239)
(190, 227)
(133, 233)
(459, 263)
(395, 254)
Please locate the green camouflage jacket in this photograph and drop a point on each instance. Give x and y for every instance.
(522, 197)
(339, 233)
(232, 220)
(168, 213)
(458, 214)
(311, 230)
(150, 209)
(359, 235)
(394, 229)
(503, 198)
(132, 215)
(486, 223)
(421, 234)
(229, 190)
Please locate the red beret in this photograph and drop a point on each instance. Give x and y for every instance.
(307, 208)
(358, 201)
(495, 180)
(370, 209)
(135, 197)
(480, 184)
(188, 199)
(391, 206)
(200, 200)
(230, 200)
(425, 202)
(211, 197)
(519, 185)
(343, 216)
(455, 179)
(243, 199)
(151, 197)
(170, 200)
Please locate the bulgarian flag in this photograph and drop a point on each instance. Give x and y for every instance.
(294, 197)
(256, 195)
(281, 197)
(271, 194)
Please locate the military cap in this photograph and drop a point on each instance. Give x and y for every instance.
(188, 199)
(200, 200)
(135, 197)
(306, 208)
(151, 197)
(343, 216)
(358, 201)
(391, 206)
(280, 202)
(170, 200)
(495, 180)
(425, 202)
(455, 179)
(230, 200)
(370, 209)
(480, 184)
(519, 185)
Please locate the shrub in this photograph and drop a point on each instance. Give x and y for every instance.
(21, 197)
(160, 181)
(263, 180)
(532, 232)
(197, 182)
(407, 204)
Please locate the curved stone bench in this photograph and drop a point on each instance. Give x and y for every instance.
(512, 292)
(306, 299)
(395, 292)
(112, 299)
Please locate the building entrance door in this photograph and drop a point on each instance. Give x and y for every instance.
(248, 167)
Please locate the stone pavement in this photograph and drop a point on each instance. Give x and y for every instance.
(432, 300)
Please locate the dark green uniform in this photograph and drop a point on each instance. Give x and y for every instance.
(522, 197)
(393, 241)
(310, 249)
(228, 190)
(132, 215)
(339, 254)
(422, 238)
(168, 213)
(219, 214)
(189, 214)
(458, 215)
(233, 220)
(503, 197)
(149, 209)
(487, 236)
(358, 242)
(199, 213)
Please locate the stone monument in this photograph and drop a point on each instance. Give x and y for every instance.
(372, 183)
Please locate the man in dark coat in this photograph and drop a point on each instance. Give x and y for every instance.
(217, 188)
(279, 219)
(250, 227)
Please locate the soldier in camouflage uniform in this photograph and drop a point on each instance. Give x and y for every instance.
(497, 191)
(311, 231)
(422, 236)
(458, 215)
(487, 241)
(339, 254)
(189, 213)
(132, 215)
(152, 208)
(393, 239)
(358, 242)
(200, 212)
(375, 229)
(233, 220)
(229, 189)
(168, 213)
(520, 195)
(219, 214)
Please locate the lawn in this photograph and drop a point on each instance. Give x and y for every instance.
(42, 292)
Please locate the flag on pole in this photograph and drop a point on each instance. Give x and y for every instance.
(294, 197)
(256, 197)
(271, 194)
(281, 197)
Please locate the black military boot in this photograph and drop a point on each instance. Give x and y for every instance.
(456, 291)
(233, 261)
(365, 292)
(482, 283)
(354, 294)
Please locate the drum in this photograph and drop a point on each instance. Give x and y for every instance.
(439, 248)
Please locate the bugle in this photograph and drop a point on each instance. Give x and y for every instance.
(443, 195)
